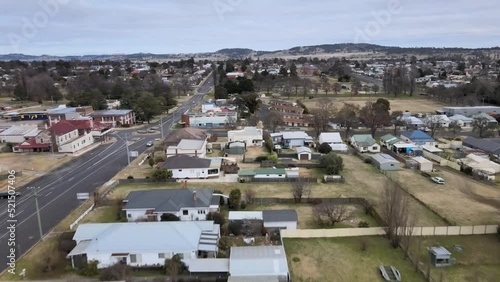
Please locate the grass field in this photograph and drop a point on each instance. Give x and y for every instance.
(32, 165)
(412, 104)
(479, 260)
(342, 259)
(482, 200)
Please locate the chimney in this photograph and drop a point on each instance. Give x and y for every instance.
(195, 197)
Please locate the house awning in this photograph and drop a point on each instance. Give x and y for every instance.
(80, 249)
(119, 254)
(431, 149)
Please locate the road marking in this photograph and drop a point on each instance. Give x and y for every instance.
(19, 212)
(49, 193)
(71, 178)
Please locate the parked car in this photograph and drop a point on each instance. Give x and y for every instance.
(149, 144)
(438, 180)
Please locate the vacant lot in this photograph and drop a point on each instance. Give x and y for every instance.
(32, 165)
(479, 259)
(253, 152)
(461, 200)
(342, 259)
(406, 104)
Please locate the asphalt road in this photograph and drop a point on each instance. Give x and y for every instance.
(368, 79)
(57, 189)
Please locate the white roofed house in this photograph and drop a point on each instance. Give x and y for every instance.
(463, 121)
(18, 133)
(188, 147)
(292, 138)
(442, 120)
(334, 140)
(142, 244)
(365, 143)
(251, 136)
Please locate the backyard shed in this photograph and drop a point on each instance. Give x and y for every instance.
(423, 164)
(440, 256)
(304, 153)
(385, 162)
(280, 219)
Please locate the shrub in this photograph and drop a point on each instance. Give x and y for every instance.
(130, 177)
(151, 162)
(115, 272)
(315, 202)
(368, 161)
(261, 159)
(243, 205)
(332, 163)
(273, 157)
(223, 244)
(234, 198)
(364, 245)
(90, 269)
(218, 218)
(295, 259)
(169, 217)
(235, 227)
(324, 148)
(363, 224)
(162, 174)
(175, 266)
(159, 159)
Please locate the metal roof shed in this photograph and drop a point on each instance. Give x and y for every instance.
(440, 256)
(423, 164)
(385, 162)
(258, 261)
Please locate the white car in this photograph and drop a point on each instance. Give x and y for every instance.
(438, 180)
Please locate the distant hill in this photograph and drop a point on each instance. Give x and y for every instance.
(344, 48)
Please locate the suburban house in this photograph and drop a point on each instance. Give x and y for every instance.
(184, 133)
(388, 140)
(365, 143)
(285, 107)
(304, 153)
(252, 174)
(413, 122)
(188, 147)
(272, 219)
(142, 244)
(291, 139)
(114, 117)
(407, 148)
(251, 136)
(443, 120)
(470, 111)
(296, 120)
(280, 219)
(488, 146)
(385, 162)
(334, 140)
(87, 133)
(187, 204)
(185, 167)
(480, 165)
(18, 133)
(210, 120)
(463, 121)
(258, 263)
(491, 120)
(418, 137)
(211, 107)
(63, 113)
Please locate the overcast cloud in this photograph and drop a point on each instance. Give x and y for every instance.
(78, 27)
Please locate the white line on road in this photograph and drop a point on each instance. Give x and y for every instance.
(71, 178)
(49, 193)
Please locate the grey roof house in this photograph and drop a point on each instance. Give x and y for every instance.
(280, 219)
(187, 204)
(365, 143)
(185, 167)
(487, 145)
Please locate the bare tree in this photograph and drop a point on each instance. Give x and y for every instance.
(230, 123)
(326, 85)
(455, 127)
(434, 125)
(274, 120)
(396, 213)
(249, 195)
(374, 115)
(348, 116)
(482, 125)
(322, 114)
(299, 190)
(336, 87)
(329, 212)
(375, 88)
(397, 120)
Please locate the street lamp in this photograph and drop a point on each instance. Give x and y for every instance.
(35, 189)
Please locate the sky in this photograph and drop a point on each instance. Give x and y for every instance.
(80, 27)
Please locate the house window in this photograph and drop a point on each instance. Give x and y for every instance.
(129, 215)
(180, 169)
(161, 255)
(133, 258)
(181, 256)
(374, 148)
(185, 212)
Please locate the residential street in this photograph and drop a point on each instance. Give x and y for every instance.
(57, 190)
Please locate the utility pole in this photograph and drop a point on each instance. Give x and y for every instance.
(126, 144)
(35, 189)
(161, 126)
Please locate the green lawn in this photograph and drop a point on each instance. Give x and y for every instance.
(480, 258)
(342, 259)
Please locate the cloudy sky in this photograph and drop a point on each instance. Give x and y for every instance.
(78, 27)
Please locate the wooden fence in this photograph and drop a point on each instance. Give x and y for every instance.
(373, 231)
